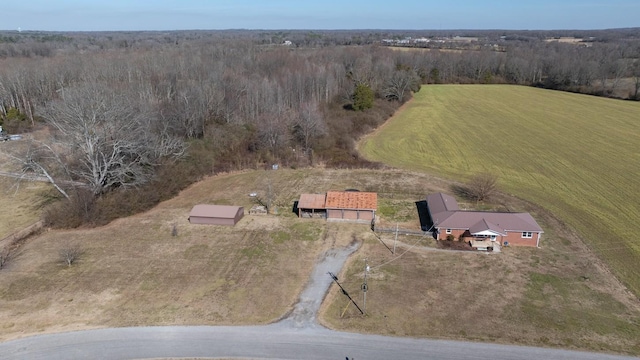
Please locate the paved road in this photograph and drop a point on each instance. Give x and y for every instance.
(298, 336)
(262, 342)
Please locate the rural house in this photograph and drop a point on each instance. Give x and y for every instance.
(481, 228)
(216, 214)
(354, 206)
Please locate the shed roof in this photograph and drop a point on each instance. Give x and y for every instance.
(355, 200)
(215, 211)
(311, 201)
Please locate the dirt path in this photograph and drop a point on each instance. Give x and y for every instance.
(305, 311)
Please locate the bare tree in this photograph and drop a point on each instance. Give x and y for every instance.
(309, 124)
(479, 188)
(36, 162)
(70, 253)
(106, 139)
(400, 84)
(636, 80)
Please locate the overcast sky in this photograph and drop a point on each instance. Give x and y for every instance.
(89, 15)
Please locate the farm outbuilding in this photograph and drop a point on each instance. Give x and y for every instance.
(216, 214)
(312, 205)
(352, 206)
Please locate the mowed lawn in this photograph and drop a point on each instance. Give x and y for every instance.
(577, 156)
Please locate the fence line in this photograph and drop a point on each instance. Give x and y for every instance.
(403, 231)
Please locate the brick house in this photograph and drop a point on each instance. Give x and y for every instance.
(481, 228)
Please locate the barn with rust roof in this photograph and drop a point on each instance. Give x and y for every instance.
(353, 206)
(216, 214)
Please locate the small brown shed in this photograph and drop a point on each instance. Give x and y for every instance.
(216, 214)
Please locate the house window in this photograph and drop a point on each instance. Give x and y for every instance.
(527, 234)
(448, 231)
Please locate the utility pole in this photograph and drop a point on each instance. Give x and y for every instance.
(364, 286)
(396, 240)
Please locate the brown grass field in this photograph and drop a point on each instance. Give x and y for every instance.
(134, 272)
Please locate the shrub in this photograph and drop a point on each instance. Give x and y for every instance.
(78, 209)
(69, 253)
(479, 188)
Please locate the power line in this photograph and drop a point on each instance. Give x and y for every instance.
(335, 279)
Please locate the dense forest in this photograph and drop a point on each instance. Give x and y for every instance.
(140, 115)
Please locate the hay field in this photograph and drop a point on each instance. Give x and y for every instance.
(577, 156)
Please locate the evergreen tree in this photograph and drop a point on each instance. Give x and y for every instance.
(362, 97)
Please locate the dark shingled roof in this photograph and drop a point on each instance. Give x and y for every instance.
(446, 214)
(485, 226)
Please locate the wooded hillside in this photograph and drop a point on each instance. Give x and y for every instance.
(147, 113)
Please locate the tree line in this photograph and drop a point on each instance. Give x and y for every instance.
(139, 116)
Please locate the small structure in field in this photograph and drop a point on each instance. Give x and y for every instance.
(216, 214)
(258, 210)
(352, 206)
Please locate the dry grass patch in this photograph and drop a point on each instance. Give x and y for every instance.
(556, 296)
(135, 272)
(21, 204)
(21, 200)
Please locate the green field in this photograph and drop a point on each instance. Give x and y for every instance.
(577, 156)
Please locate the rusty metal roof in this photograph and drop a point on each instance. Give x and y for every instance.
(215, 211)
(352, 200)
(311, 201)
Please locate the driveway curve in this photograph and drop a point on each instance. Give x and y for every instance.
(298, 336)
